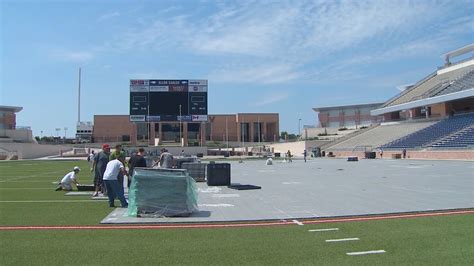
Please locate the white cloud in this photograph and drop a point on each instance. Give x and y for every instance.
(289, 36)
(272, 98)
(268, 73)
(73, 56)
(108, 16)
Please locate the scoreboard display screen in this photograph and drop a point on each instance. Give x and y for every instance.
(157, 100)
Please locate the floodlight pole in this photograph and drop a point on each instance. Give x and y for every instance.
(226, 135)
(79, 99)
(299, 128)
(180, 118)
(258, 124)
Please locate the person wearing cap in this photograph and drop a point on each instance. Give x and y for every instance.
(114, 168)
(68, 180)
(98, 168)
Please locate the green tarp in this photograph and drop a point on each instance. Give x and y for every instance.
(161, 192)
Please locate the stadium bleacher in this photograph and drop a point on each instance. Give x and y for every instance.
(380, 135)
(435, 85)
(461, 139)
(435, 134)
(464, 82)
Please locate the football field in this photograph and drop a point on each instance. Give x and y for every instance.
(41, 226)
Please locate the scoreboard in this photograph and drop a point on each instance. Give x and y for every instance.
(157, 100)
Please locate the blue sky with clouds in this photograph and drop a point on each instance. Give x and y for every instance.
(259, 56)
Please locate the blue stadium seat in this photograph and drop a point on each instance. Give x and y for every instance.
(457, 131)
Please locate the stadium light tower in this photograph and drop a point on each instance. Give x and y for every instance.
(226, 135)
(299, 128)
(180, 118)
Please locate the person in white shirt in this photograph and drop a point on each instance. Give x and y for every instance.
(90, 158)
(68, 180)
(269, 161)
(114, 167)
(166, 159)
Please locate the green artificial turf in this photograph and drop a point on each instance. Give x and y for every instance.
(442, 240)
(447, 240)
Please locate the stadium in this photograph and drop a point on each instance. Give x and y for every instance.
(406, 197)
(432, 118)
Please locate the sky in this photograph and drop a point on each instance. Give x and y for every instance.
(283, 57)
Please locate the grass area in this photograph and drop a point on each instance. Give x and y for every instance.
(444, 240)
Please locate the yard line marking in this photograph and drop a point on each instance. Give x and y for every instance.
(216, 205)
(365, 252)
(22, 188)
(298, 222)
(30, 181)
(30, 176)
(44, 201)
(323, 230)
(225, 195)
(343, 239)
(210, 190)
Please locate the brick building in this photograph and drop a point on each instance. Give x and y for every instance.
(248, 127)
(9, 131)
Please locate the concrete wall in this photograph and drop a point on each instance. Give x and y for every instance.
(176, 151)
(296, 148)
(32, 150)
(24, 135)
(429, 155)
(439, 110)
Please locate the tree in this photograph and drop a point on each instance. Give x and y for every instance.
(285, 135)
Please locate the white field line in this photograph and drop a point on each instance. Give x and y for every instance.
(32, 181)
(209, 190)
(25, 188)
(298, 222)
(30, 176)
(216, 205)
(365, 252)
(45, 201)
(225, 195)
(343, 239)
(324, 230)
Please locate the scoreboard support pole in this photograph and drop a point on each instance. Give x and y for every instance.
(185, 134)
(203, 134)
(151, 138)
(133, 135)
(160, 133)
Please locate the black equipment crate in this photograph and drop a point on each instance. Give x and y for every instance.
(180, 161)
(196, 170)
(218, 174)
(85, 187)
